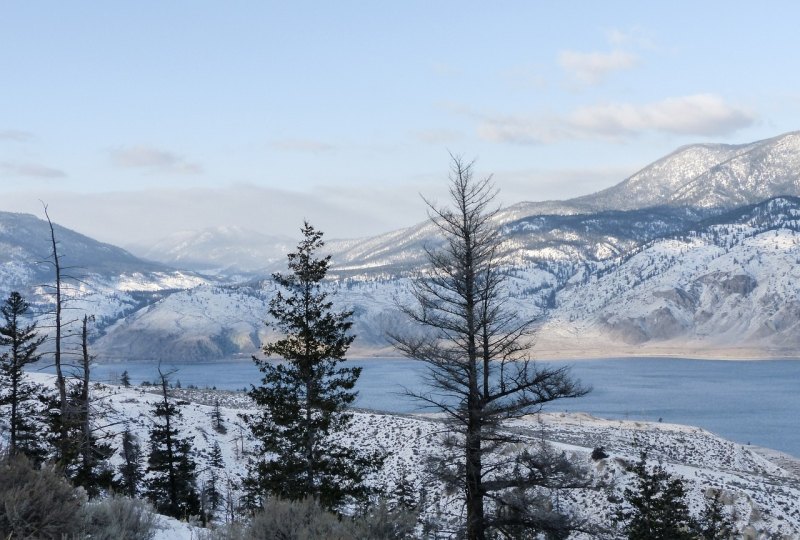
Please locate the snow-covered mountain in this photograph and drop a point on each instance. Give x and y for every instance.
(99, 279)
(667, 261)
(219, 250)
(728, 283)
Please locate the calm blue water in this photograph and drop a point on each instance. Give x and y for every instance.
(745, 401)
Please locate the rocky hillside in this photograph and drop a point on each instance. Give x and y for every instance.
(727, 283)
(761, 494)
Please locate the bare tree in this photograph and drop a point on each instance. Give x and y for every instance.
(475, 345)
(61, 383)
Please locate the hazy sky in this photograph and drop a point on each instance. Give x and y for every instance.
(137, 119)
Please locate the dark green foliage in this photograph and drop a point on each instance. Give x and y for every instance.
(304, 398)
(36, 503)
(715, 523)
(217, 422)
(19, 343)
(125, 379)
(404, 494)
(130, 470)
(172, 483)
(655, 508)
(85, 456)
(211, 495)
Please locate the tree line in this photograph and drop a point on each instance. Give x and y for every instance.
(467, 332)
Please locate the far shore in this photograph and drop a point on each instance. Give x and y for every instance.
(748, 354)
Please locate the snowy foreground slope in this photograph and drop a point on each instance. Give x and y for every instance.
(761, 489)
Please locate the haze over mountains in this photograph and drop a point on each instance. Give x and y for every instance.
(693, 255)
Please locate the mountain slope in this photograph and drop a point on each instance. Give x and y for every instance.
(727, 284)
(99, 279)
(219, 249)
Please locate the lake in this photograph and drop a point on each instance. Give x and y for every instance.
(746, 401)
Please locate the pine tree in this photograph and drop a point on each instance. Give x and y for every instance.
(212, 496)
(715, 523)
(22, 342)
(130, 470)
(86, 461)
(304, 398)
(172, 483)
(404, 494)
(217, 422)
(655, 508)
(125, 379)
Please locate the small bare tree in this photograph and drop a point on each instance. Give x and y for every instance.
(475, 344)
(61, 383)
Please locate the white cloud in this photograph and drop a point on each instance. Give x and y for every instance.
(699, 114)
(147, 157)
(521, 130)
(31, 170)
(594, 67)
(15, 135)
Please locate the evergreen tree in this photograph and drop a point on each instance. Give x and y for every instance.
(404, 494)
(125, 379)
(715, 523)
(217, 422)
(212, 496)
(655, 508)
(304, 398)
(130, 470)
(172, 483)
(86, 459)
(21, 342)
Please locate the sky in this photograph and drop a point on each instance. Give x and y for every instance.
(135, 120)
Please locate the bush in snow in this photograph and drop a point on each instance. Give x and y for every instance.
(120, 518)
(36, 503)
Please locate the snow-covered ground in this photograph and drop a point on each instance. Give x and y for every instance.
(760, 488)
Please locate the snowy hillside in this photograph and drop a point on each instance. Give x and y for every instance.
(763, 495)
(729, 283)
(595, 270)
(218, 250)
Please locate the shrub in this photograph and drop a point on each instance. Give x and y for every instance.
(120, 518)
(307, 520)
(36, 503)
(301, 520)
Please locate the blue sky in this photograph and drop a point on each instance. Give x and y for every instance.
(137, 119)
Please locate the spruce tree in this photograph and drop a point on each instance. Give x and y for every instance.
(304, 398)
(21, 343)
(655, 508)
(217, 421)
(86, 460)
(172, 483)
(212, 496)
(130, 470)
(715, 522)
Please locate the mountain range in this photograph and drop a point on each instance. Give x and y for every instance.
(694, 255)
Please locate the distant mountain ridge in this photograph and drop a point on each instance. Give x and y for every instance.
(693, 254)
(218, 250)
